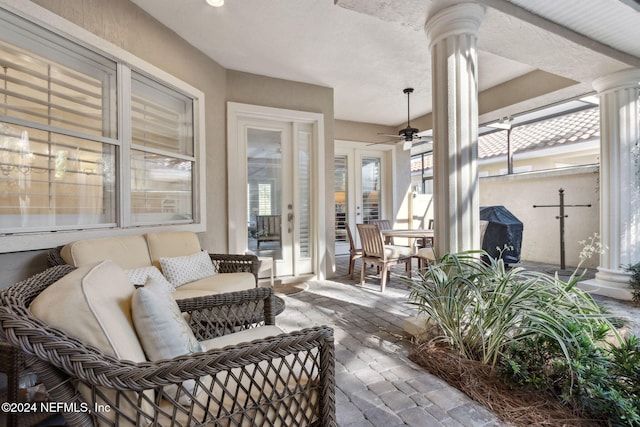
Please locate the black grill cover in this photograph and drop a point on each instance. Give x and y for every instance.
(503, 229)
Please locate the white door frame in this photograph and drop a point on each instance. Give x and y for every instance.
(237, 166)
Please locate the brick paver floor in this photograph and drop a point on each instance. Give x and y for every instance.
(376, 383)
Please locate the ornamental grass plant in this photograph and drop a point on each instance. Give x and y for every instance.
(534, 331)
(482, 307)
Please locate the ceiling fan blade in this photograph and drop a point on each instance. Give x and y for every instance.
(389, 135)
(382, 142)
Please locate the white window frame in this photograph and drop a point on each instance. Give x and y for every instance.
(126, 62)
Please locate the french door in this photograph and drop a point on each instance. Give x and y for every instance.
(275, 176)
(360, 189)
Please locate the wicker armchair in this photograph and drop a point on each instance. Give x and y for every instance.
(285, 380)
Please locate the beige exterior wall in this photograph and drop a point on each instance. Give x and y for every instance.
(363, 132)
(541, 234)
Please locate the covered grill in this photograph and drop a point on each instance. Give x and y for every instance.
(503, 229)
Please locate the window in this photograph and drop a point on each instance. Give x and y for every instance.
(340, 190)
(371, 184)
(422, 172)
(264, 199)
(162, 156)
(70, 160)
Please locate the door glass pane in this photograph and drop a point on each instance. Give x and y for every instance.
(304, 193)
(264, 170)
(370, 189)
(340, 190)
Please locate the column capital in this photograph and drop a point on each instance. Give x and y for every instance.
(619, 80)
(461, 18)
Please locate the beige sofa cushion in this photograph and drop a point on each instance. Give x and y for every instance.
(243, 336)
(93, 303)
(217, 284)
(171, 244)
(128, 252)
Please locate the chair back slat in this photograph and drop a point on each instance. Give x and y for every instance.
(384, 224)
(268, 225)
(372, 240)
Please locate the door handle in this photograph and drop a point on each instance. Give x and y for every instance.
(290, 221)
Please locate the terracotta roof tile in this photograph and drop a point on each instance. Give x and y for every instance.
(575, 127)
(567, 129)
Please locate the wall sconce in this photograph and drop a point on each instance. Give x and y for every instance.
(215, 3)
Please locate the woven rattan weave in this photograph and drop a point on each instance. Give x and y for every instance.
(285, 380)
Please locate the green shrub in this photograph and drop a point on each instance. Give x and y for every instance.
(482, 308)
(599, 381)
(535, 330)
(634, 281)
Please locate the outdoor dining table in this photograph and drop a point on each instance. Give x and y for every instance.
(412, 234)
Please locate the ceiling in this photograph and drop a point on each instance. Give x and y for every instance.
(368, 51)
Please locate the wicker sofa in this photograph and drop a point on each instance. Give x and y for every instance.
(247, 372)
(139, 254)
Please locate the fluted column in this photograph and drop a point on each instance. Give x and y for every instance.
(619, 180)
(452, 34)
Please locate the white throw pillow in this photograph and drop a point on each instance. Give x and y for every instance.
(184, 269)
(139, 276)
(162, 330)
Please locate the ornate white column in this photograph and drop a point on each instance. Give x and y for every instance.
(452, 34)
(619, 181)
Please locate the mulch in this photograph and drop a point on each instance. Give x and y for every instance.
(517, 407)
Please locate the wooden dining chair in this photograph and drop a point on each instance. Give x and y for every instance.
(428, 242)
(354, 253)
(426, 257)
(375, 252)
(384, 224)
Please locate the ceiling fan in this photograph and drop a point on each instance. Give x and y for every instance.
(409, 134)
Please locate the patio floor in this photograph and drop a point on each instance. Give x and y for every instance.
(377, 384)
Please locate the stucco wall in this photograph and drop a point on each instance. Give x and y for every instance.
(362, 132)
(541, 235)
